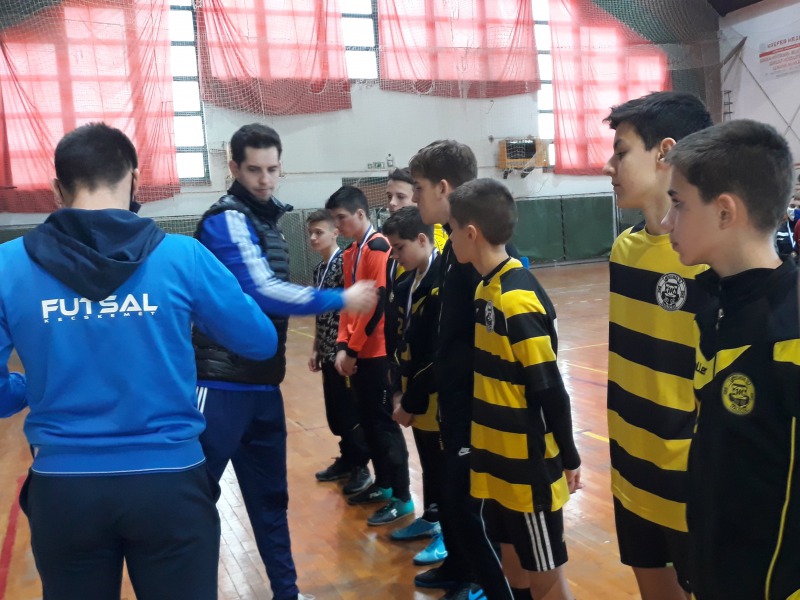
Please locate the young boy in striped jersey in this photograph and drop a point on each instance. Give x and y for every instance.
(730, 187)
(523, 463)
(651, 409)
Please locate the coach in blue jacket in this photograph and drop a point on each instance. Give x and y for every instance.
(99, 304)
(241, 398)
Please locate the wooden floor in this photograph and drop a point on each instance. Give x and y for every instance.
(338, 556)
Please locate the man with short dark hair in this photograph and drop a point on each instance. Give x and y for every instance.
(241, 398)
(98, 303)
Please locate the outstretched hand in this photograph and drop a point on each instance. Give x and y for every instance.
(361, 297)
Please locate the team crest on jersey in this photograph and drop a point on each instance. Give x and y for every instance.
(738, 394)
(489, 316)
(671, 292)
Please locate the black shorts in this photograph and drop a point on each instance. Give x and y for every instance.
(537, 537)
(647, 545)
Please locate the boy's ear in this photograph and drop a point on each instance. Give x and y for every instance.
(730, 210)
(472, 232)
(444, 188)
(55, 184)
(663, 148)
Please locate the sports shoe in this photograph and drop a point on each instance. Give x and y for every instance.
(434, 553)
(338, 470)
(360, 480)
(436, 578)
(396, 509)
(305, 597)
(465, 592)
(372, 494)
(420, 528)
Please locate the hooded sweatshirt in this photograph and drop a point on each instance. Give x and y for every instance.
(99, 305)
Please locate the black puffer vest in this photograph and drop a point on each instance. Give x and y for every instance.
(215, 362)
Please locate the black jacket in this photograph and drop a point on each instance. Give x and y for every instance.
(215, 362)
(744, 463)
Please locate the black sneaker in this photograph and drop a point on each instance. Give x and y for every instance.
(436, 578)
(360, 480)
(338, 470)
(372, 494)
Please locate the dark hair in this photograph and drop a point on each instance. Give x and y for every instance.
(93, 155)
(406, 223)
(350, 198)
(488, 205)
(445, 159)
(254, 135)
(403, 175)
(320, 215)
(742, 157)
(661, 115)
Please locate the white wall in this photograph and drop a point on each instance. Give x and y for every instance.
(321, 149)
(756, 95)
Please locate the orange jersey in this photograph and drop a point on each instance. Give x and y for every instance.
(362, 335)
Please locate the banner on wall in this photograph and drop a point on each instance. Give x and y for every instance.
(779, 57)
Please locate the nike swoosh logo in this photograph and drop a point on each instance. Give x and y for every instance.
(477, 595)
(463, 452)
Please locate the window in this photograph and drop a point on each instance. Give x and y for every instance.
(359, 28)
(544, 98)
(189, 123)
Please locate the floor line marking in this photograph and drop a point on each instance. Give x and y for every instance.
(9, 539)
(576, 365)
(582, 347)
(595, 436)
(301, 332)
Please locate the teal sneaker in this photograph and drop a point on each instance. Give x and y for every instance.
(434, 553)
(420, 528)
(372, 494)
(396, 509)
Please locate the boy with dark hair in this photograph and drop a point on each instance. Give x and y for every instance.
(524, 463)
(653, 300)
(438, 169)
(362, 356)
(241, 399)
(399, 190)
(416, 299)
(730, 187)
(340, 406)
(99, 303)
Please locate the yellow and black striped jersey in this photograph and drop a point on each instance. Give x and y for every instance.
(521, 422)
(744, 463)
(651, 408)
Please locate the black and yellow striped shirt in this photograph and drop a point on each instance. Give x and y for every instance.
(521, 422)
(651, 408)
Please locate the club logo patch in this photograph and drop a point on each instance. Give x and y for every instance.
(489, 317)
(671, 292)
(738, 394)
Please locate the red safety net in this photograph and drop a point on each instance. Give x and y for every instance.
(80, 62)
(272, 57)
(457, 48)
(598, 62)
